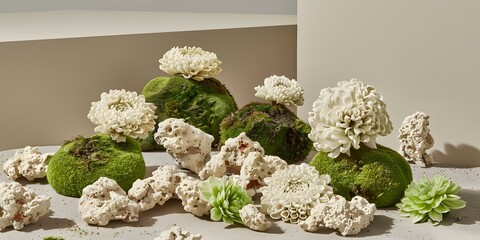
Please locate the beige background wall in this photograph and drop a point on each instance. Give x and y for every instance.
(47, 86)
(421, 55)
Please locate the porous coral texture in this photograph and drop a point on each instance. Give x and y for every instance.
(338, 213)
(20, 206)
(347, 115)
(188, 191)
(415, 139)
(121, 113)
(29, 163)
(156, 189)
(216, 167)
(105, 200)
(256, 168)
(177, 233)
(236, 150)
(189, 145)
(190, 62)
(254, 219)
(291, 193)
(280, 89)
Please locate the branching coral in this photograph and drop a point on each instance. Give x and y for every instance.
(415, 139)
(190, 62)
(281, 90)
(338, 213)
(226, 197)
(121, 113)
(428, 199)
(29, 163)
(105, 200)
(347, 115)
(291, 193)
(189, 145)
(20, 206)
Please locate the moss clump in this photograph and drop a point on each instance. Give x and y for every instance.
(81, 161)
(380, 175)
(275, 127)
(203, 104)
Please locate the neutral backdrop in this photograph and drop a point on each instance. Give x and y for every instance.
(421, 55)
(47, 86)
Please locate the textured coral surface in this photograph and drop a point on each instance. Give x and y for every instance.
(203, 104)
(81, 161)
(279, 131)
(380, 175)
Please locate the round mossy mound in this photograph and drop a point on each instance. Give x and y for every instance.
(81, 161)
(280, 132)
(203, 104)
(380, 175)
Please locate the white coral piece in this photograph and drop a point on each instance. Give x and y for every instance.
(176, 233)
(254, 219)
(121, 113)
(256, 168)
(105, 200)
(29, 163)
(415, 139)
(188, 191)
(347, 115)
(20, 206)
(189, 145)
(156, 189)
(280, 89)
(190, 62)
(291, 193)
(348, 217)
(216, 167)
(235, 150)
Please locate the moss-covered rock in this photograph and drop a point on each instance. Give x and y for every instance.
(279, 131)
(380, 175)
(81, 161)
(203, 104)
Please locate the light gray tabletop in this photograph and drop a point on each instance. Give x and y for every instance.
(64, 219)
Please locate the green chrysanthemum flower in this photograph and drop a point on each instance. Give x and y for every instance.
(428, 199)
(226, 197)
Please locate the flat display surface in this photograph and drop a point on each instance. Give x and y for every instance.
(65, 221)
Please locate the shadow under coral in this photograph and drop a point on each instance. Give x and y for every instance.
(460, 156)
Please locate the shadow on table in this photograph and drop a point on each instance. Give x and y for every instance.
(468, 215)
(460, 156)
(381, 225)
(48, 222)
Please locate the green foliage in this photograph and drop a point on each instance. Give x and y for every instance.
(428, 199)
(226, 197)
(81, 161)
(280, 132)
(380, 175)
(203, 104)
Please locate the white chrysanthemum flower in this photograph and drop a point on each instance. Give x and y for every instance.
(190, 62)
(280, 89)
(121, 113)
(347, 115)
(291, 193)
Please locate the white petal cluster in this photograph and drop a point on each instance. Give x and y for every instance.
(190, 62)
(415, 139)
(347, 115)
(280, 89)
(291, 193)
(121, 113)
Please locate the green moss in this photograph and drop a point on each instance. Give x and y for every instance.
(203, 104)
(81, 161)
(53, 238)
(380, 175)
(275, 127)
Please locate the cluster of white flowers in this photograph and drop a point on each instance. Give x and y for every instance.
(121, 113)
(191, 62)
(291, 193)
(347, 115)
(280, 89)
